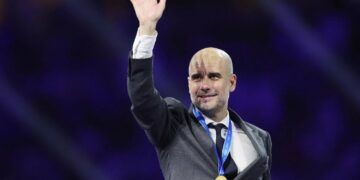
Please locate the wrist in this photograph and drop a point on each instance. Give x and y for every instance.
(147, 29)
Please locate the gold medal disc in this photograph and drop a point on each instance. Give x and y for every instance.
(220, 178)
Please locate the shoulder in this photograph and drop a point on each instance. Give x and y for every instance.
(249, 127)
(175, 105)
(256, 129)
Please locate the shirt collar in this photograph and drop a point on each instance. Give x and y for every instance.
(225, 121)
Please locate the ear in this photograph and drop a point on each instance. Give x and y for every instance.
(233, 80)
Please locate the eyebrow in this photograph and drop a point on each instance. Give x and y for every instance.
(216, 74)
(211, 74)
(196, 75)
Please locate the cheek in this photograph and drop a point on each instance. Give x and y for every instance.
(193, 88)
(220, 86)
(223, 88)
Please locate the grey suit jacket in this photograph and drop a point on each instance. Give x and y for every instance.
(184, 149)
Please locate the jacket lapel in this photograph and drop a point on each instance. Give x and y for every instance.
(258, 166)
(203, 139)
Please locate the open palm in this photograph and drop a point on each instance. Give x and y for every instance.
(148, 12)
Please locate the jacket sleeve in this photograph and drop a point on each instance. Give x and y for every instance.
(154, 114)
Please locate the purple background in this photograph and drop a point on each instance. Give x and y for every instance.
(64, 109)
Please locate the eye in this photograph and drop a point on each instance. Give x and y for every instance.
(196, 77)
(214, 76)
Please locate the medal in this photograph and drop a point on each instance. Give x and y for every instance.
(220, 178)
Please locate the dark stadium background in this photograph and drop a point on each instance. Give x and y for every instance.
(64, 109)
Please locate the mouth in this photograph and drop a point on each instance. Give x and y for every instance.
(206, 97)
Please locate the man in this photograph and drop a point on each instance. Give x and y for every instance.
(210, 141)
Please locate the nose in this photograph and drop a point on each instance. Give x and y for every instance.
(204, 86)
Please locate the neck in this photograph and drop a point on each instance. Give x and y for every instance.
(216, 116)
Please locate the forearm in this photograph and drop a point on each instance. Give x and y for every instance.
(143, 95)
(141, 88)
(148, 107)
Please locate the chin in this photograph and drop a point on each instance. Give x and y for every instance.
(205, 107)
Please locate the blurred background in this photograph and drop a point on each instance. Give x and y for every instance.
(65, 112)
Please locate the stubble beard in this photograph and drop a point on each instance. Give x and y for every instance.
(210, 110)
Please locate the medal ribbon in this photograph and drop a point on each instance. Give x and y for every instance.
(227, 143)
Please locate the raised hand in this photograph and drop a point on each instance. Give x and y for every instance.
(148, 13)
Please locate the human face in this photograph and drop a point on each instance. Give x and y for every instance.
(210, 83)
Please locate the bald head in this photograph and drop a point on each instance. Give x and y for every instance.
(211, 55)
(210, 82)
